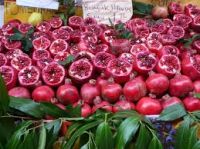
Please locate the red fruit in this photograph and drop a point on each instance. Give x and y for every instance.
(3, 59)
(191, 66)
(175, 8)
(196, 23)
(141, 32)
(111, 92)
(24, 27)
(177, 32)
(135, 89)
(157, 83)
(119, 69)
(192, 10)
(75, 36)
(53, 74)
(136, 48)
(89, 91)
(103, 105)
(102, 59)
(86, 110)
(64, 127)
(123, 105)
(42, 63)
(101, 82)
(74, 50)
(42, 34)
(149, 106)
(159, 28)
(89, 21)
(108, 36)
(56, 22)
(58, 45)
(21, 61)
(119, 46)
(67, 28)
(10, 45)
(197, 86)
(169, 49)
(169, 65)
(43, 94)
(144, 62)
(61, 56)
(127, 57)
(154, 36)
(136, 23)
(196, 44)
(81, 70)
(84, 55)
(29, 76)
(60, 34)
(13, 53)
(96, 29)
(180, 86)
(182, 20)
(41, 43)
(168, 23)
(9, 27)
(99, 48)
(89, 37)
(67, 94)
(160, 12)
(40, 54)
(75, 22)
(43, 26)
(191, 104)
(167, 39)
(171, 101)
(20, 92)
(9, 76)
(154, 45)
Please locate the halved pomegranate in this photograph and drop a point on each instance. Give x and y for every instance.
(75, 22)
(40, 54)
(60, 34)
(192, 10)
(84, 54)
(74, 50)
(24, 27)
(182, 20)
(9, 75)
(119, 69)
(175, 8)
(144, 62)
(100, 48)
(81, 70)
(96, 29)
(8, 28)
(67, 28)
(89, 37)
(168, 23)
(56, 22)
(154, 36)
(119, 46)
(29, 76)
(102, 59)
(177, 32)
(141, 32)
(108, 36)
(167, 39)
(10, 45)
(196, 44)
(89, 21)
(196, 23)
(41, 43)
(43, 34)
(159, 28)
(75, 35)
(43, 26)
(136, 48)
(169, 65)
(136, 23)
(58, 45)
(61, 56)
(3, 60)
(13, 53)
(154, 46)
(42, 63)
(127, 57)
(169, 49)
(21, 61)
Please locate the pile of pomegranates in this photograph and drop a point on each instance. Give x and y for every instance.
(148, 72)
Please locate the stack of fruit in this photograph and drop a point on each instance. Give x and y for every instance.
(143, 64)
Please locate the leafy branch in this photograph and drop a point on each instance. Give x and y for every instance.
(188, 41)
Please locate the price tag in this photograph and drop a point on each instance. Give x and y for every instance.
(103, 10)
(46, 4)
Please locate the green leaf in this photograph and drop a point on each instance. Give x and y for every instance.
(125, 114)
(126, 131)
(90, 144)
(30, 32)
(142, 8)
(196, 114)
(143, 138)
(172, 113)
(104, 134)
(155, 144)
(196, 145)
(79, 132)
(74, 111)
(197, 95)
(4, 100)
(68, 60)
(16, 36)
(192, 138)
(42, 138)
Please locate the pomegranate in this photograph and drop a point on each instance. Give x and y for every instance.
(149, 106)
(101, 105)
(154, 46)
(197, 86)
(67, 28)
(180, 86)
(168, 23)
(3, 60)
(192, 10)
(61, 34)
(56, 22)
(61, 56)
(20, 92)
(157, 83)
(9, 27)
(41, 43)
(141, 32)
(43, 26)
(43, 94)
(101, 82)
(108, 36)
(135, 89)
(89, 21)
(160, 12)
(191, 104)
(75, 22)
(40, 54)
(123, 105)
(196, 44)
(127, 57)
(89, 37)
(182, 20)
(177, 32)
(196, 23)
(168, 49)
(168, 39)
(96, 29)
(159, 28)
(84, 55)
(21, 61)
(58, 45)
(119, 46)
(42, 63)
(154, 36)
(24, 27)
(10, 45)
(136, 23)
(75, 36)
(136, 48)
(170, 101)
(86, 110)
(175, 8)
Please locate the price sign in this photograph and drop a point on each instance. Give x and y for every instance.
(103, 10)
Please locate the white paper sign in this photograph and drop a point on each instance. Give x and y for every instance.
(47, 4)
(103, 10)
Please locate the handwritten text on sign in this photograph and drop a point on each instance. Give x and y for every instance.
(103, 10)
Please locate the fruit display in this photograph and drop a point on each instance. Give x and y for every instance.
(146, 66)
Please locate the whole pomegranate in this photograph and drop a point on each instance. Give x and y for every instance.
(197, 86)
(20, 92)
(123, 105)
(169, 101)
(101, 105)
(43, 94)
(191, 103)
(85, 108)
(160, 12)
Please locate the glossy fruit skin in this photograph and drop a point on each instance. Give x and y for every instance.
(160, 12)
(67, 94)
(157, 83)
(43, 94)
(135, 89)
(86, 110)
(123, 105)
(20, 92)
(111, 92)
(191, 104)
(89, 91)
(180, 86)
(149, 106)
(171, 101)
(101, 82)
(103, 105)
(197, 86)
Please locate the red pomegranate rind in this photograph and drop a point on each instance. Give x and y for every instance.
(10, 45)
(61, 34)
(11, 25)
(101, 48)
(61, 56)
(74, 50)
(75, 22)
(43, 34)
(154, 46)
(136, 23)
(43, 27)
(192, 10)
(119, 69)
(127, 57)
(9, 76)
(84, 54)
(196, 44)
(3, 59)
(20, 61)
(168, 23)
(108, 36)
(40, 54)
(58, 45)
(53, 74)
(67, 28)
(169, 49)
(75, 36)
(167, 39)
(42, 63)
(177, 32)
(29, 76)
(175, 8)
(13, 53)
(169, 65)
(81, 70)
(97, 30)
(196, 24)
(89, 21)
(56, 22)
(25, 27)
(138, 48)
(182, 20)
(41, 43)
(154, 36)
(141, 32)
(89, 37)
(159, 27)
